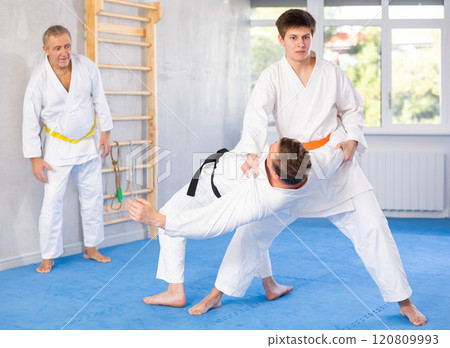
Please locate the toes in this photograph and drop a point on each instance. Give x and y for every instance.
(414, 316)
(43, 270)
(148, 300)
(195, 312)
(420, 321)
(45, 267)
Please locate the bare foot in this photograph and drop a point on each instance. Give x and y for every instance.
(173, 297)
(166, 299)
(275, 290)
(92, 253)
(407, 309)
(45, 266)
(213, 300)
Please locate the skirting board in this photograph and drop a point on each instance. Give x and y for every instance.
(416, 214)
(72, 249)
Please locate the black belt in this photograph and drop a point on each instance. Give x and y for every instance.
(214, 158)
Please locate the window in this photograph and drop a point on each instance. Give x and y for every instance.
(394, 58)
(392, 50)
(415, 92)
(265, 49)
(410, 9)
(356, 49)
(352, 9)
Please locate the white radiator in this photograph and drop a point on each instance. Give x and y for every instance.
(406, 181)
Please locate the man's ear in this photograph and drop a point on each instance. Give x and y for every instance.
(280, 40)
(45, 49)
(276, 177)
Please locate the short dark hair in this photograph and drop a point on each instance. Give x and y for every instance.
(54, 30)
(295, 18)
(293, 162)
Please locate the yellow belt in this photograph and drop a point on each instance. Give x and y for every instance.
(73, 141)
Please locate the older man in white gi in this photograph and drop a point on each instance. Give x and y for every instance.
(65, 93)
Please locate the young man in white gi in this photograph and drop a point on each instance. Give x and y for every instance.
(243, 200)
(309, 97)
(63, 93)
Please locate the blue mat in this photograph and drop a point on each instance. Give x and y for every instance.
(82, 294)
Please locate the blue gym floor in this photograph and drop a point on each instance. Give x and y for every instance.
(65, 297)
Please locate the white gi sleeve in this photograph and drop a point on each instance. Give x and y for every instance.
(101, 107)
(256, 118)
(238, 207)
(32, 105)
(350, 108)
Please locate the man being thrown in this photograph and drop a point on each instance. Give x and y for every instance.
(63, 93)
(243, 200)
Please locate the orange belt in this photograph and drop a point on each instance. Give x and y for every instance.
(312, 145)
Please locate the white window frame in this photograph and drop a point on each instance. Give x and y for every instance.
(316, 8)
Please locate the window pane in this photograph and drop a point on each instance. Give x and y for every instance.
(352, 12)
(269, 12)
(265, 49)
(357, 51)
(422, 12)
(416, 72)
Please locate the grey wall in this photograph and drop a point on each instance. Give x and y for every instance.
(203, 80)
(203, 85)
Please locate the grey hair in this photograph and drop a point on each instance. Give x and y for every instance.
(54, 30)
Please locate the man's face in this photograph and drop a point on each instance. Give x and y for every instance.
(59, 50)
(297, 43)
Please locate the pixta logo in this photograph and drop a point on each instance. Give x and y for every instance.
(148, 155)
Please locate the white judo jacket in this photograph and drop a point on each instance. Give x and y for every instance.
(70, 114)
(309, 113)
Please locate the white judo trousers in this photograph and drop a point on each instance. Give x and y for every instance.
(88, 180)
(366, 226)
(173, 249)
